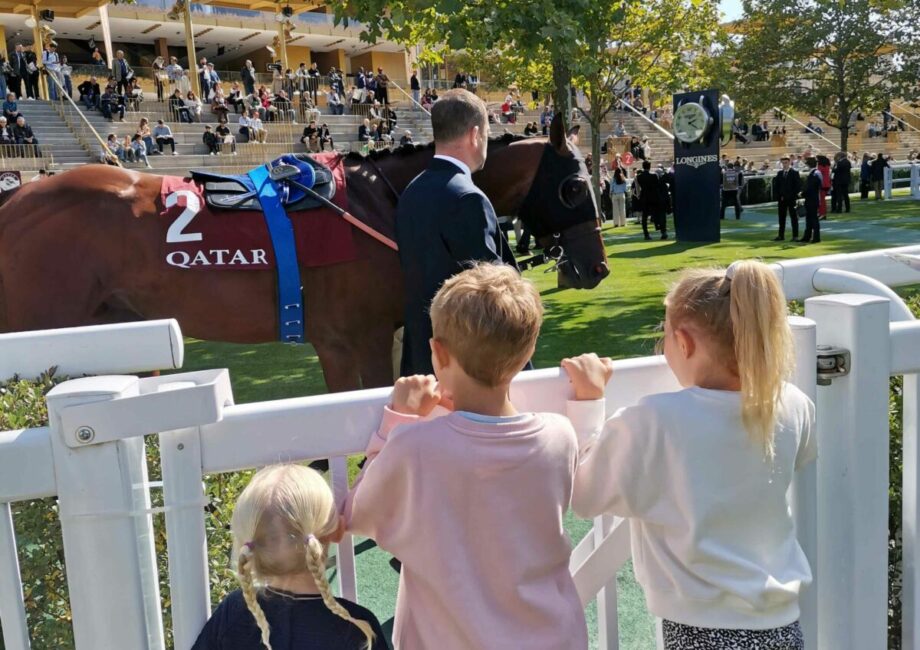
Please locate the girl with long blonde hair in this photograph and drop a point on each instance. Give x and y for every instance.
(281, 525)
(703, 473)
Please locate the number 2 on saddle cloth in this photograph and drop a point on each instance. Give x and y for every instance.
(212, 222)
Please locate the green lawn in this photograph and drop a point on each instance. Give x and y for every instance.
(618, 319)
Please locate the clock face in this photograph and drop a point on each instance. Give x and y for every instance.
(691, 122)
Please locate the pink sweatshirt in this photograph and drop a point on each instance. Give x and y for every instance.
(474, 512)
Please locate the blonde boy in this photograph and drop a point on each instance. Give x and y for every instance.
(472, 502)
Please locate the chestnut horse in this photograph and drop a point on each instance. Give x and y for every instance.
(82, 248)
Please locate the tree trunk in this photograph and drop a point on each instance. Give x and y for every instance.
(596, 157)
(562, 91)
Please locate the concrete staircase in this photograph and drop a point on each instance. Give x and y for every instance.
(61, 149)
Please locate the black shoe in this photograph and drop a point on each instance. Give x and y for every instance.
(664, 235)
(805, 241)
(815, 241)
(780, 239)
(522, 251)
(648, 238)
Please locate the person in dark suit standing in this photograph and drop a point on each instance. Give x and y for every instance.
(841, 183)
(18, 71)
(786, 187)
(812, 195)
(651, 199)
(31, 77)
(443, 221)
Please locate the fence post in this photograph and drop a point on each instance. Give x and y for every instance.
(804, 487)
(853, 474)
(915, 181)
(889, 181)
(108, 536)
(12, 609)
(608, 627)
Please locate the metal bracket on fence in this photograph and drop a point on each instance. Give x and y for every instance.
(832, 363)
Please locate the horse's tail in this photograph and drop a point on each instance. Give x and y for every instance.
(5, 196)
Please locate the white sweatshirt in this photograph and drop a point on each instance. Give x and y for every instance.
(713, 541)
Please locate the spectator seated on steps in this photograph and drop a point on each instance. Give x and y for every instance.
(22, 132)
(227, 140)
(364, 131)
(140, 150)
(210, 141)
(325, 137)
(163, 136)
(11, 108)
(219, 105)
(406, 138)
(235, 98)
(178, 108)
(112, 104)
(310, 137)
(90, 93)
(284, 107)
(257, 131)
(335, 102)
(6, 135)
(193, 104)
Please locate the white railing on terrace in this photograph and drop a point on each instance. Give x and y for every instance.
(92, 457)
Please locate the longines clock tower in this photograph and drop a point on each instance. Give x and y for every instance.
(697, 176)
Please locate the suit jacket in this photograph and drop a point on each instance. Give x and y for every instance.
(247, 75)
(843, 173)
(649, 190)
(117, 71)
(18, 64)
(786, 185)
(812, 191)
(443, 221)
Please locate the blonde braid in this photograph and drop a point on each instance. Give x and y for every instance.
(244, 573)
(316, 563)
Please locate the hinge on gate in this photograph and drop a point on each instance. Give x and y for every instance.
(832, 363)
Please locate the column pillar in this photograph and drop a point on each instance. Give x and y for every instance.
(162, 49)
(282, 47)
(3, 52)
(190, 48)
(106, 34)
(38, 49)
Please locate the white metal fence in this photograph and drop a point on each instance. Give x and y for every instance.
(92, 457)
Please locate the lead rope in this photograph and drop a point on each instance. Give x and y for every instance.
(383, 177)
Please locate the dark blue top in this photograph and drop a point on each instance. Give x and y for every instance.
(297, 622)
(443, 222)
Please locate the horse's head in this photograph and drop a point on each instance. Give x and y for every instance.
(561, 210)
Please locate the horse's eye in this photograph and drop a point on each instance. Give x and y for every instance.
(574, 191)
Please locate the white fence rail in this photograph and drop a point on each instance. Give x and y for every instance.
(913, 181)
(92, 457)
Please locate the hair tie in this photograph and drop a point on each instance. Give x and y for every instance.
(248, 546)
(730, 271)
(310, 538)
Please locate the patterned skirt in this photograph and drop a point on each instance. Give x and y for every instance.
(684, 637)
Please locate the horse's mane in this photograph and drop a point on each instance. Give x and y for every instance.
(411, 148)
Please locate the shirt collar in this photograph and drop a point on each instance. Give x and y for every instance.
(459, 163)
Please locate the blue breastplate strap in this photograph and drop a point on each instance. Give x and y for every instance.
(281, 231)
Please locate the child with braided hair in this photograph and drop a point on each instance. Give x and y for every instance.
(281, 525)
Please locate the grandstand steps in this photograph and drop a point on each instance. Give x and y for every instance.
(55, 139)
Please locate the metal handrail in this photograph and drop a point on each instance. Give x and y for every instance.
(893, 116)
(904, 109)
(809, 130)
(645, 117)
(62, 92)
(411, 98)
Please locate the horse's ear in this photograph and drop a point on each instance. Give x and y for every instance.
(557, 134)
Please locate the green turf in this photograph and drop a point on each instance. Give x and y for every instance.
(619, 319)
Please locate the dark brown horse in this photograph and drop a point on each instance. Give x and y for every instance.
(83, 248)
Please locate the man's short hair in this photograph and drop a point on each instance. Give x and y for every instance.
(489, 318)
(455, 113)
(785, 158)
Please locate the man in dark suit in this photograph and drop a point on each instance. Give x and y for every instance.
(443, 221)
(812, 196)
(18, 65)
(31, 77)
(651, 198)
(786, 187)
(843, 176)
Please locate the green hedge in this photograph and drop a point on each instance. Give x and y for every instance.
(757, 189)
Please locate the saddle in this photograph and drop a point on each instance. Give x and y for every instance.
(237, 191)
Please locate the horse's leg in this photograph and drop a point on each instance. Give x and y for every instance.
(376, 356)
(340, 368)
